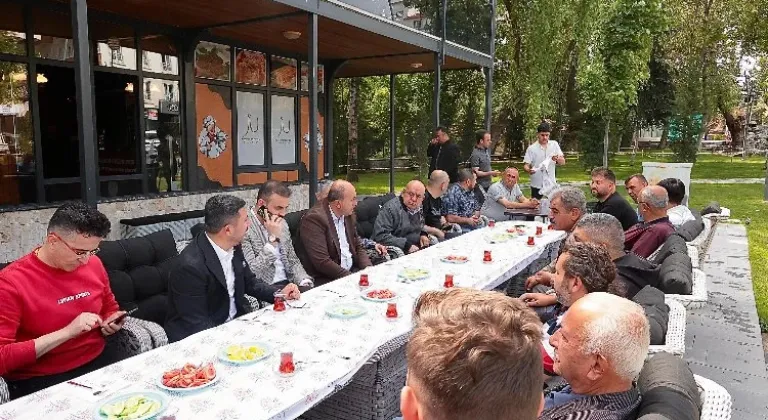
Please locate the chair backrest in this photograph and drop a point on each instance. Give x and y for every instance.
(690, 229)
(367, 211)
(138, 270)
(676, 274)
(294, 220)
(715, 400)
(668, 389)
(674, 244)
(178, 223)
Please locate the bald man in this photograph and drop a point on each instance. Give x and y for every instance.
(647, 236)
(506, 194)
(332, 248)
(400, 221)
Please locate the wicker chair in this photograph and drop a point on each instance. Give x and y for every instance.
(131, 340)
(702, 241)
(698, 296)
(715, 400)
(674, 342)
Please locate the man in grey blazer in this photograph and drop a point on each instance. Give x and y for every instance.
(267, 246)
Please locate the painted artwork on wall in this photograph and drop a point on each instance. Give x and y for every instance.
(212, 61)
(283, 130)
(251, 67)
(283, 73)
(214, 125)
(250, 129)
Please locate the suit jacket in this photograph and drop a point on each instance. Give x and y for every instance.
(262, 260)
(197, 290)
(322, 254)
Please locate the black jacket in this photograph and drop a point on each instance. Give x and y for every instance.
(446, 157)
(618, 207)
(197, 290)
(634, 273)
(657, 312)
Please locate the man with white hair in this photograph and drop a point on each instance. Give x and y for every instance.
(505, 194)
(600, 349)
(646, 237)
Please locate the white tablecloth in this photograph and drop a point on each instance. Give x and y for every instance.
(328, 351)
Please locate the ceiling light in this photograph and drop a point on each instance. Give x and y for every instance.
(291, 35)
(129, 87)
(41, 78)
(416, 65)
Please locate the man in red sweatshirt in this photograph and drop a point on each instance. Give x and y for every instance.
(57, 306)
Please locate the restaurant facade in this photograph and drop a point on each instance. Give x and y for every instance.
(145, 107)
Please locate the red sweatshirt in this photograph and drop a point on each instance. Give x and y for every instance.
(37, 299)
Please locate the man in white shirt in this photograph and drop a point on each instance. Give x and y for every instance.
(267, 246)
(541, 159)
(506, 194)
(677, 213)
(208, 286)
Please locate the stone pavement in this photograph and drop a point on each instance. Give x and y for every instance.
(723, 341)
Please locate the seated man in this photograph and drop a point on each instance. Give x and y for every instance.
(267, 246)
(460, 204)
(646, 237)
(609, 201)
(208, 286)
(332, 248)
(601, 347)
(473, 355)
(634, 184)
(567, 206)
(57, 305)
(434, 221)
(400, 221)
(637, 279)
(506, 194)
(677, 213)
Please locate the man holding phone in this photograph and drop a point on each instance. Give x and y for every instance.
(267, 246)
(444, 154)
(57, 305)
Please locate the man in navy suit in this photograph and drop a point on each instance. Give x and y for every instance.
(209, 285)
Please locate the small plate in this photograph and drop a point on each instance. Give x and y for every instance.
(264, 346)
(345, 310)
(364, 295)
(150, 395)
(448, 260)
(500, 237)
(411, 275)
(185, 390)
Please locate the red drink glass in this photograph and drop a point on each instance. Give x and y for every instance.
(539, 231)
(287, 367)
(448, 281)
(550, 226)
(392, 310)
(491, 223)
(364, 280)
(487, 256)
(279, 305)
(531, 240)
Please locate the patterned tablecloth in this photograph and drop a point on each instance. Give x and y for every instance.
(328, 351)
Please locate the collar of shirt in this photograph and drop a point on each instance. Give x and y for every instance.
(221, 253)
(336, 220)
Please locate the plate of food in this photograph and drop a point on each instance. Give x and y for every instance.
(189, 378)
(410, 275)
(500, 237)
(345, 310)
(137, 405)
(455, 259)
(378, 295)
(245, 353)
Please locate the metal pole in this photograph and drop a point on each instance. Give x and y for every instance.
(436, 93)
(392, 134)
(489, 70)
(85, 111)
(605, 144)
(312, 30)
(445, 30)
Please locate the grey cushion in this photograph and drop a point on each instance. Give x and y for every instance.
(676, 275)
(672, 245)
(690, 229)
(668, 389)
(712, 208)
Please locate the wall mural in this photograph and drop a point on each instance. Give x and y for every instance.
(214, 125)
(212, 140)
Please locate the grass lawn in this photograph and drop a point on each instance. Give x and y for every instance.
(744, 200)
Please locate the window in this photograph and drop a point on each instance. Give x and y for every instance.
(305, 77)
(283, 74)
(53, 35)
(17, 146)
(115, 45)
(159, 55)
(251, 67)
(212, 61)
(58, 122)
(283, 123)
(116, 123)
(250, 129)
(12, 36)
(162, 134)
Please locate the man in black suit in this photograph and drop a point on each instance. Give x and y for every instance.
(209, 285)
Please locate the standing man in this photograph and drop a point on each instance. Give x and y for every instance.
(332, 248)
(609, 201)
(634, 184)
(444, 154)
(57, 305)
(208, 286)
(267, 246)
(400, 221)
(480, 161)
(541, 159)
(506, 194)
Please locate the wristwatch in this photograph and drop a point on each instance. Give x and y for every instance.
(273, 238)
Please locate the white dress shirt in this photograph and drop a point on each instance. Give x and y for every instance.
(536, 155)
(679, 215)
(225, 258)
(341, 232)
(279, 267)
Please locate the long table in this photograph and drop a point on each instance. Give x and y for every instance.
(329, 352)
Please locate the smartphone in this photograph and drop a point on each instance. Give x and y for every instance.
(262, 212)
(119, 319)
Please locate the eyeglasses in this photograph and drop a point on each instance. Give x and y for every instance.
(81, 253)
(414, 195)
